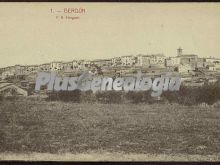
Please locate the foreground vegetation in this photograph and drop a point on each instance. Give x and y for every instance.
(208, 94)
(66, 127)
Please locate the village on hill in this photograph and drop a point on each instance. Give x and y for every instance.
(194, 70)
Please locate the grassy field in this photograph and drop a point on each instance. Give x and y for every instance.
(72, 128)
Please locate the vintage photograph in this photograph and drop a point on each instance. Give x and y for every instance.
(109, 81)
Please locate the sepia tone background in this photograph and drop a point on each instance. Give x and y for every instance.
(31, 34)
(110, 40)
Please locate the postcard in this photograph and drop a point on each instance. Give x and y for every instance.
(109, 81)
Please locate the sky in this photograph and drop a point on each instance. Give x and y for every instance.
(31, 34)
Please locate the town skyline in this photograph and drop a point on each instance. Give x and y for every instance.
(109, 58)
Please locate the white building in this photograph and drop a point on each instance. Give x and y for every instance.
(200, 63)
(68, 66)
(75, 64)
(81, 64)
(143, 60)
(173, 61)
(116, 61)
(56, 66)
(214, 67)
(45, 67)
(157, 60)
(7, 74)
(127, 60)
(212, 60)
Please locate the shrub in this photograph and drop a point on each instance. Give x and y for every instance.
(66, 96)
(109, 97)
(208, 94)
(135, 97)
(194, 95)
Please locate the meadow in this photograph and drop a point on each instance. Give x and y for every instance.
(55, 127)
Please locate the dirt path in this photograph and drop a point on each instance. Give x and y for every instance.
(106, 156)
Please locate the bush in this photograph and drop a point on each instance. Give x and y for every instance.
(185, 96)
(194, 95)
(135, 97)
(66, 96)
(208, 94)
(109, 97)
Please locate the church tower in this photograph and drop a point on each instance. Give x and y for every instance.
(179, 51)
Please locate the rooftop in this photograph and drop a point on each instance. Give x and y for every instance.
(187, 55)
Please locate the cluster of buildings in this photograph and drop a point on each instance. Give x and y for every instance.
(191, 67)
(182, 63)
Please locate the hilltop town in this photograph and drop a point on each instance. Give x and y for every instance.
(194, 71)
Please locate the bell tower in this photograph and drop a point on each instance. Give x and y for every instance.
(179, 51)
